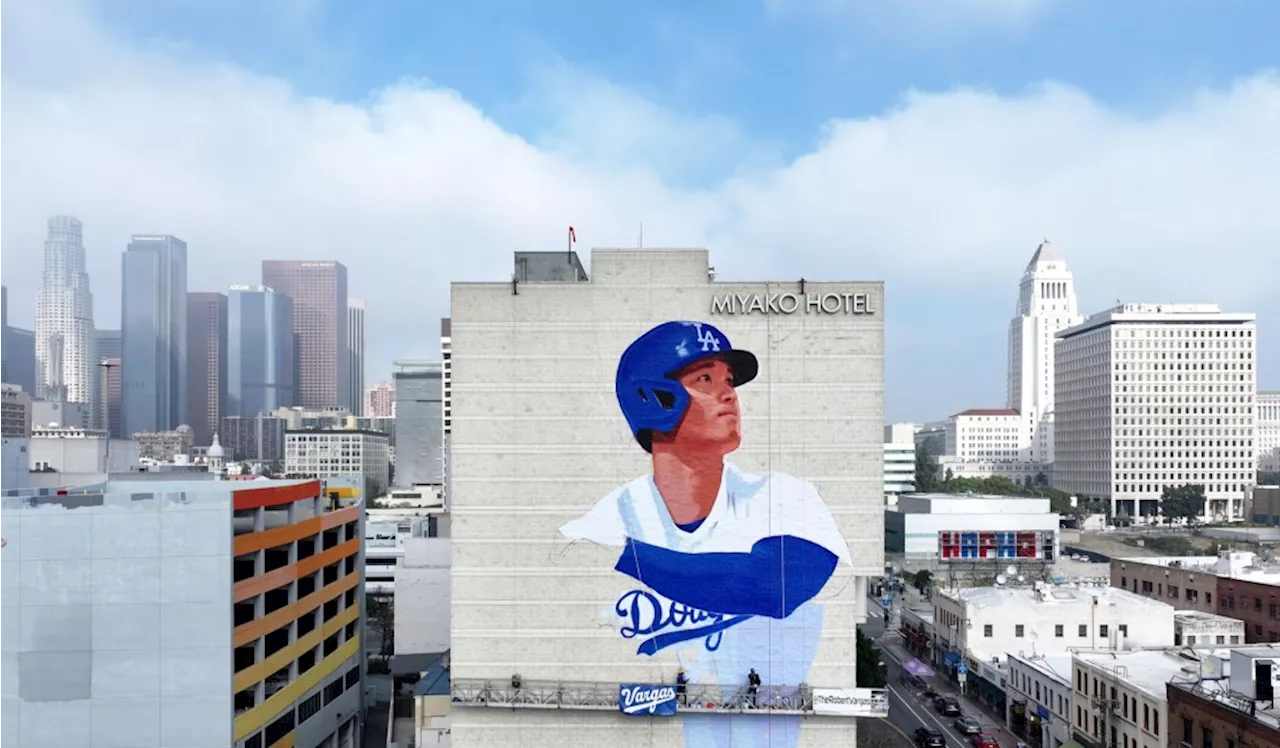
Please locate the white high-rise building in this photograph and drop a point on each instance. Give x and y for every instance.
(1046, 305)
(1269, 431)
(64, 317)
(1157, 395)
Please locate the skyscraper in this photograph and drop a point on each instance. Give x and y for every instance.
(379, 401)
(153, 330)
(107, 416)
(318, 290)
(106, 347)
(206, 363)
(261, 360)
(17, 351)
(355, 356)
(1046, 305)
(419, 393)
(64, 317)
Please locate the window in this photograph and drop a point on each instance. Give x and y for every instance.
(1057, 630)
(1018, 630)
(1186, 730)
(1146, 717)
(1155, 722)
(1206, 736)
(1084, 630)
(1103, 631)
(1124, 629)
(986, 630)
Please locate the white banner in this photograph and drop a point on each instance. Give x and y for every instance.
(851, 702)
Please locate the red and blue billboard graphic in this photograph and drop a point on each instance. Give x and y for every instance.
(995, 545)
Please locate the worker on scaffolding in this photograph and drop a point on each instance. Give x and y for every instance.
(753, 688)
(682, 682)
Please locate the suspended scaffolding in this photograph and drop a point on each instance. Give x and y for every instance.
(604, 697)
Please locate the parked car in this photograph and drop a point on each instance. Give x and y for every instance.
(929, 737)
(968, 725)
(984, 740)
(947, 706)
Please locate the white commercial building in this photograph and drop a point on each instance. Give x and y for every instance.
(899, 459)
(912, 527)
(340, 453)
(1046, 305)
(72, 456)
(1151, 396)
(1269, 431)
(1038, 690)
(1195, 628)
(64, 332)
(1118, 698)
(760, 407)
(422, 600)
(988, 623)
(989, 442)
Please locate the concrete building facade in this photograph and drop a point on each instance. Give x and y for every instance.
(899, 459)
(379, 401)
(1228, 705)
(1151, 396)
(181, 614)
(539, 436)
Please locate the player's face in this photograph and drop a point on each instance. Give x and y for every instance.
(713, 418)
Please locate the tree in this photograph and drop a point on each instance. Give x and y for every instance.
(949, 477)
(1183, 502)
(1041, 479)
(380, 614)
(870, 674)
(926, 470)
(924, 578)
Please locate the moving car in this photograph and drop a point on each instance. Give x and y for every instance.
(929, 737)
(984, 740)
(968, 725)
(947, 706)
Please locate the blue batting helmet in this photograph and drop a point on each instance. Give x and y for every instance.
(651, 398)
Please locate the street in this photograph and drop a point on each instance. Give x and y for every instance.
(907, 710)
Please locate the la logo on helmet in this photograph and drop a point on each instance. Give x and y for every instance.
(707, 338)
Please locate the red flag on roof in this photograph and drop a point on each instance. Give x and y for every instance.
(573, 238)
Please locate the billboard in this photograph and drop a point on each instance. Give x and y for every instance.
(723, 567)
(996, 545)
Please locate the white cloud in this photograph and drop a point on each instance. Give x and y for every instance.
(416, 188)
(932, 18)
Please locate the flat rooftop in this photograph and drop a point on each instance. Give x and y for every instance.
(1065, 595)
(1056, 665)
(1152, 669)
(1246, 566)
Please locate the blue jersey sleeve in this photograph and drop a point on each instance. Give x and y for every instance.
(780, 574)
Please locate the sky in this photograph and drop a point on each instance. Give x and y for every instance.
(931, 144)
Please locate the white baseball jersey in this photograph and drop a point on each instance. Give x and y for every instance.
(747, 509)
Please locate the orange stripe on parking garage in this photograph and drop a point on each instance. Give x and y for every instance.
(247, 588)
(261, 670)
(260, 627)
(253, 498)
(256, 541)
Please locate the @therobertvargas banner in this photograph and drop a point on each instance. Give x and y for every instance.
(851, 702)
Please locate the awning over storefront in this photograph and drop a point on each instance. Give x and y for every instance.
(918, 669)
(951, 659)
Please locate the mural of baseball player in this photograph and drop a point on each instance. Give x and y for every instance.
(727, 566)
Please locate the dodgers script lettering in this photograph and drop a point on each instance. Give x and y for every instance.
(646, 615)
(831, 303)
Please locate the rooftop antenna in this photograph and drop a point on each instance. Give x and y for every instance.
(640, 240)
